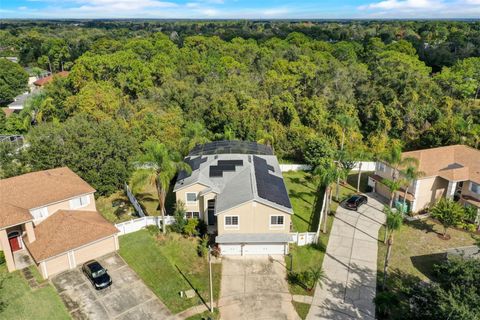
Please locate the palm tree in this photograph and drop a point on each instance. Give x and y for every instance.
(194, 133)
(394, 186)
(410, 174)
(393, 157)
(393, 223)
(263, 137)
(163, 165)
(326, 173)
(345, 122)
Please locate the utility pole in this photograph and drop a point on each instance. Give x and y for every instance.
(210, 275)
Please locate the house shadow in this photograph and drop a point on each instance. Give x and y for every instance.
(425, 263)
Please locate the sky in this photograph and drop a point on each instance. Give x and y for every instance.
(241, 9)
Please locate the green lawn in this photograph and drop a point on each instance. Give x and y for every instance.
(168, 266)
(118, 213)
(306, 201)
(415, 250)
(301, 308)
(21, 302)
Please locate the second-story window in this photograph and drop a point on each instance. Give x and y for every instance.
(276, 221)
(191, 197)
(79, 202)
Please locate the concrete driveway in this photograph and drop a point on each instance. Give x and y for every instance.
(255, 287)
(350, 264)
(127, 298)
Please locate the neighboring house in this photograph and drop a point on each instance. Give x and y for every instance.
(237, 188)
(51, 216)
(451, 172)
(19, 101)
(43, 81)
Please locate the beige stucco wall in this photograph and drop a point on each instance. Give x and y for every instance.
(5, 245)
(254, 217)
(429, 191)
(65, 205)
(194, 207)
(382, 190)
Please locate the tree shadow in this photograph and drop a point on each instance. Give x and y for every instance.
(316, 210)
(425, 263)
(299, 195)
(423, 225)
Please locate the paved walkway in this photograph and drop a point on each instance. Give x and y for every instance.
(350, 265)
(255, 287)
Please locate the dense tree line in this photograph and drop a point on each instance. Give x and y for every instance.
(302, 95)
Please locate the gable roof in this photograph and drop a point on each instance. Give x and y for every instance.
(36, 189)
(43, 81)
(237, 178)
(66, 230)
(454, 163)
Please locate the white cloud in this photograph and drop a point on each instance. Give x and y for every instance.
(429, 9)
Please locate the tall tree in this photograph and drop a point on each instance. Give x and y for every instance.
(13, 80)
(326, 173)
(163, 165)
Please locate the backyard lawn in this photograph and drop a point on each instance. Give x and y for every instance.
(415, 250)
(168, 266)
(21, 302)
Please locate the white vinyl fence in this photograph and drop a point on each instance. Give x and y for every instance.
(303, 238)
(134, 201)
(366, 166)
(140, 223)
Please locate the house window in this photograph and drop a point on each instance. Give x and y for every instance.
(40, 213)
(381, 167)
(191, 197)
(475, 187)
(231, 222)
(79, 202)
(276, 221)
(193, 214)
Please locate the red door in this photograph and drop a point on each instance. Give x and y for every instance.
(14, 244)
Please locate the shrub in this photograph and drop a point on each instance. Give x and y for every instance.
(2, 257)
(153, 230)
(202, 248)
(179, 215)
(202, 228)
(190, 228)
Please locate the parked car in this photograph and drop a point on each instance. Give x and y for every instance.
(97, 274)
(355, 201)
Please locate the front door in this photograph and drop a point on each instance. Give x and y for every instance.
(14, 243)
(211, 212)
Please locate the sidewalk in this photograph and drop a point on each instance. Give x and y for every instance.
(350, 265)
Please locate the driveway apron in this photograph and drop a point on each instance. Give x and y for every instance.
(350, 265)
(255, 288)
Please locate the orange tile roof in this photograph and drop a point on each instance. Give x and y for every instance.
(32, 190)
(454, 163)
(43, 81)
(66, 230)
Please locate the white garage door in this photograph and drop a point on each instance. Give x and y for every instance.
(264, 249)
(251, 249)
(230, 249)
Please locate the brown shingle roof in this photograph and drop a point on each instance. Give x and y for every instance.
(43, 81)
(455, 163)
(66, 230)
(32, 190)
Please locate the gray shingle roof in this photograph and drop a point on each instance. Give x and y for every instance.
(234, 188)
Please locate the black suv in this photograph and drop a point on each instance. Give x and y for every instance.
(97, 274)
(355, 201)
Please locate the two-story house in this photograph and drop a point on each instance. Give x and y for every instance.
(451, 172)
(237, 188)
(51, 217)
